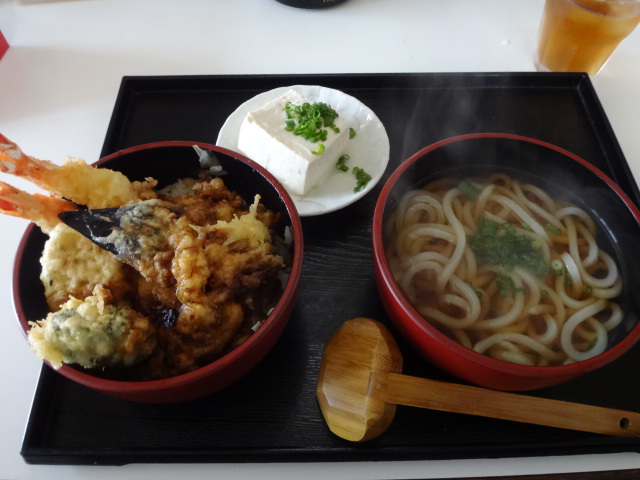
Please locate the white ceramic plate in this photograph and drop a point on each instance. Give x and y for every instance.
(369, 149)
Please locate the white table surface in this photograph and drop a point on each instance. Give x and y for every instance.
(60, 78)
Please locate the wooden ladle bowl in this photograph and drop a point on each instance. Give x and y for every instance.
(360, 384)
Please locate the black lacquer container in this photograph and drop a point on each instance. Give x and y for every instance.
(311, 3)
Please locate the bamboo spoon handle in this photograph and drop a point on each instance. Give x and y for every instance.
(448, 397)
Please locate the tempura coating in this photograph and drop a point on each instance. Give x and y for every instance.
(93, 333)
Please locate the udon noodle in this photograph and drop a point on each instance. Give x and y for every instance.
(504, 269)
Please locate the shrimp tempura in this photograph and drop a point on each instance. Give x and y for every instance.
(75, 180)
(40, 209)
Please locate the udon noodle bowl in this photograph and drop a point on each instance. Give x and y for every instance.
(504, 269)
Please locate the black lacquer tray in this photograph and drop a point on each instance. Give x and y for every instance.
(272, 414)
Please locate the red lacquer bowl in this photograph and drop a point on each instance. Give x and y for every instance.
(560, 173)
(167, 162)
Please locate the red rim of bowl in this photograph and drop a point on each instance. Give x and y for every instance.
(541, 372)
(288, 295)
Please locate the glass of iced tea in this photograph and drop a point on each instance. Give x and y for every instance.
(581, 35)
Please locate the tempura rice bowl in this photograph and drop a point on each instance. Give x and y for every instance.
(168, 162)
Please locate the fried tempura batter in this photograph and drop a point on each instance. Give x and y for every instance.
(206, 265)
(209, 273)
(72, 266)
(93, 332)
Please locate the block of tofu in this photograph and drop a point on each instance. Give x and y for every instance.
(286, 156)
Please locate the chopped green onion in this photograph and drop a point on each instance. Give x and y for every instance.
(588, 290)
(319, 150)
(553, 229)
(341, 164)
(362, 178)
(487, 227)
(468, 189)
(310, 121)
(499, 244)
(475, 290)
(352, 133)
(557, 267)
(506, 285)
(568, 281)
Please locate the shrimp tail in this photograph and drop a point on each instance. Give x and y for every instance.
(15, 162)
(40, 209)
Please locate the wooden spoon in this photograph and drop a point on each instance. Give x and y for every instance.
(360, 385)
